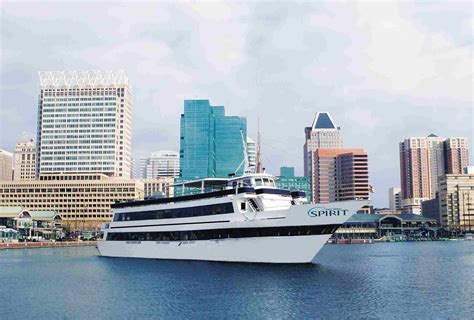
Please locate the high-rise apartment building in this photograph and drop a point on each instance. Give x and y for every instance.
(457, 155)
(414, 174)
(160, 164)
(422, 161)
(6, 165)
(211, 143)
(339, 175)
(323, 134)
(436, 161)
(395, 198)
(25, 160)
(84, 123)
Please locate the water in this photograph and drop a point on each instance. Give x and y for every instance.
(378, 281)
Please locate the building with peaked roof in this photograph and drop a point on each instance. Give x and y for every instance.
(398, 226)
(324, 134)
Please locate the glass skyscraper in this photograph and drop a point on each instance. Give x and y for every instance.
(211, 143)
(288, 181)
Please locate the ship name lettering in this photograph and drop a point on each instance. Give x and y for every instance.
(323, 212)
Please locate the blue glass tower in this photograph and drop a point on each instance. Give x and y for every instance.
(211, 143)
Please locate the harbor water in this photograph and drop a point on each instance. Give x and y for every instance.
(427, 280)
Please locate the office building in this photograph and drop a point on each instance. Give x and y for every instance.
(159, 187)
(288, 172)
(288, 181)
(251, 155)
(160, 164)
(430, 209)
(82, 200)
(211, 143)
(323, 134)
(6, 165)
(133, 170)
(422, 161)
(84, 123)
(25, 160)
(468, 170)
(456, 201)
(394, 198)
(339, 175)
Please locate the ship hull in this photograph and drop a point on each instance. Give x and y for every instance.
(293, 235)
(290, 249)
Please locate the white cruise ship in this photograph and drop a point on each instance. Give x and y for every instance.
(244, 219)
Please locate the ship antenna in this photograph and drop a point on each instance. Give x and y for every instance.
(258, 156)
(244, 162)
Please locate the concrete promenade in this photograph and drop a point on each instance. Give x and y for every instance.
(26, 245)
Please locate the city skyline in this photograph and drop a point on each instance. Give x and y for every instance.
(402, 96)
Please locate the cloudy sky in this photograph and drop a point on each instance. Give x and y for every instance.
(384, 70)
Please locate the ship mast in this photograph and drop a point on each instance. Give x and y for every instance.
(258, 157)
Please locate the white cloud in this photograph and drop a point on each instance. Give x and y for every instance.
(383, 73)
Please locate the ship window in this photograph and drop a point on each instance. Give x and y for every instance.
(220, 208)
(247, 183)
(258, 182)
(243, 206)
(222, 233)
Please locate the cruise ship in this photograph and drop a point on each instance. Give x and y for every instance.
(243, 219)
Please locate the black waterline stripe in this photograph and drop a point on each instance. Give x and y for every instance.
(170, 224)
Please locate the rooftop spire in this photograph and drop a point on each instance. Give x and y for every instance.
(323, 120)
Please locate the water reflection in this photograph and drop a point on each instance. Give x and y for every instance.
(432, 279)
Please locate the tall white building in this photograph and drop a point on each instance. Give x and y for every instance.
(251, 155)
(25, 160)
(160, 164)
(84, 123)
(395, 198)
(6, 165)
(323, 134)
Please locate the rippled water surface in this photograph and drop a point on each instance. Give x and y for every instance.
(387, 280)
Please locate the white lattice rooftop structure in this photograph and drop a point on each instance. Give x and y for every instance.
(82, 78)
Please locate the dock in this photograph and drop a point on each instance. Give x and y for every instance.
(27, 245)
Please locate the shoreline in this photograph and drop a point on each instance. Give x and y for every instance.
(27, 245)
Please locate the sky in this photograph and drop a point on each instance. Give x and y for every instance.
(384, 70)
